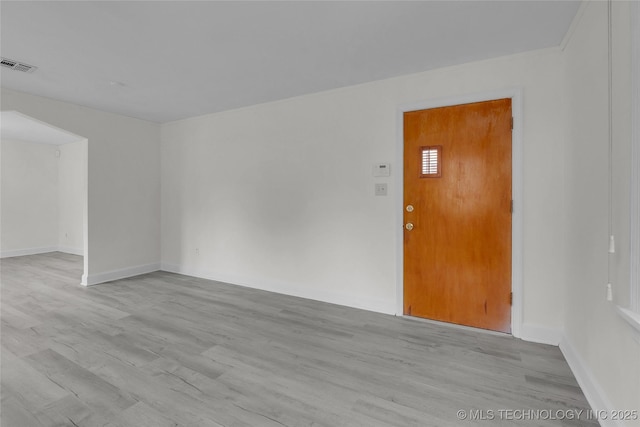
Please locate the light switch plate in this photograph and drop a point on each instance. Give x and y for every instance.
(381, 189)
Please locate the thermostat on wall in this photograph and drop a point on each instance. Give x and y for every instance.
(382, 169)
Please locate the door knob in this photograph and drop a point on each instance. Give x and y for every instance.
(409, 208)
(409, 226)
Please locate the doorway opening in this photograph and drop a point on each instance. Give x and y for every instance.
(43, 178)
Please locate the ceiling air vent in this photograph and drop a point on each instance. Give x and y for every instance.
(18, 66)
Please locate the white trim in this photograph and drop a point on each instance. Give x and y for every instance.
(109, 276)
(291, 289)
(592, 390)
(634, 195)
(517, 233)
(72, 251)
(631, 317)
(85, 215)
(42, 250)
(28, 251)
(540, 334)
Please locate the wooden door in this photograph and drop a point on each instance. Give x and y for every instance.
(457, 214)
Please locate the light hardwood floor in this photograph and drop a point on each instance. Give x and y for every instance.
(168, 350)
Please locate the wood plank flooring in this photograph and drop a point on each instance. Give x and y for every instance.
(168, 350)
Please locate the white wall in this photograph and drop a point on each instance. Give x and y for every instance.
(29, 203)
(123, 183)
(280, 196)
(43, 197)
(603, 350)
(72, 167)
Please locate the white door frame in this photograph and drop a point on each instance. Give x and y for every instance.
(517, 180)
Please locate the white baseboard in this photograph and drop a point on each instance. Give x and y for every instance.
(28, 251)
(354, 301)
(72, 251)
(109, 276)
(590, 387)
(43, 250)
(540, 334)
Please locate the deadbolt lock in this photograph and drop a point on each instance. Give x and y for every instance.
(409, 226)
(409, 208)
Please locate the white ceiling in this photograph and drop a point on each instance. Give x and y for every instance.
(18, 127)
(168, 60)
